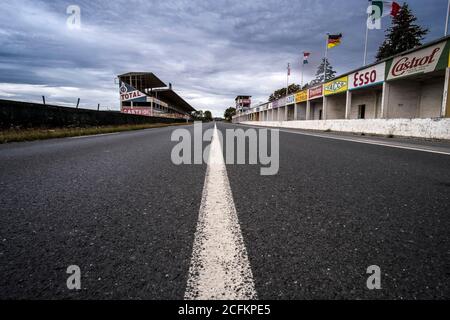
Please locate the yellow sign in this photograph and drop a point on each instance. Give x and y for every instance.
(336, 86)
(301, 96)
(449, 59)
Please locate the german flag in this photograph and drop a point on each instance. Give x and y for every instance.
(334, 40)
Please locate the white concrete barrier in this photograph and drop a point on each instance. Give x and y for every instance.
(438, 128)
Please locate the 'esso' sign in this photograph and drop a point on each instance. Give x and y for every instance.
(363, 79)
(368, 77)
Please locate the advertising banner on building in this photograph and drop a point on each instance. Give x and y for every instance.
(423, 61)
(244, 101)
(315, 92)
(367, 77)
(129, 93)
(290, 99)
(336, 86)
(275, 104)
(301, 96)
(142, 111)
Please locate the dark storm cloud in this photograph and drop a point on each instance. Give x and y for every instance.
(210, 50)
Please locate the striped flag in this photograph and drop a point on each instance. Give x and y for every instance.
(306, 57)
(387, 8)
(334, 40)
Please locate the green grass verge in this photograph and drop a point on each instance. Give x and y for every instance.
(19, 135)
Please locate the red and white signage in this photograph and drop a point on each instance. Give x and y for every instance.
(422, 61)
(136, 94)
(367, 77)
(142, 111)
(316, 92)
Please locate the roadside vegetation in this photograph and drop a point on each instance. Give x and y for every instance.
(203, 116)
(19, 135)
(229, 114)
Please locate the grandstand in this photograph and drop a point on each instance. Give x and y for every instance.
(143, 93)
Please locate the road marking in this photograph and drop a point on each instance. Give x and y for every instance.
(365, 141)
(95, 135)
(220, 269)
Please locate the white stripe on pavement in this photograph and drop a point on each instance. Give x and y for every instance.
(220, 268)
(357, 140)
(96, 135)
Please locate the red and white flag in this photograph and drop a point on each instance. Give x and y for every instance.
(387, 8)
(306, 57)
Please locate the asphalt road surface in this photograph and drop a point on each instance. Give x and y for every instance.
(141, 227)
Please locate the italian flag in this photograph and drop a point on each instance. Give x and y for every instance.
(388, 8)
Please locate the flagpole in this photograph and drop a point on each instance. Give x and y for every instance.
(326, 60)
(287, 86)
(302, 67)
(446, 20)
(367, 39)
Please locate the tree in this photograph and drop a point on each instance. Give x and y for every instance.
(229, 114)
(208, 116)
(198, 115)
(403, 34)
(203, 116)
(280, 93)
(321, 72)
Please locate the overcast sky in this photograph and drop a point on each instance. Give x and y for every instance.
(210, 51)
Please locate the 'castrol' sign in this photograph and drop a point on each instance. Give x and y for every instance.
(142, 111)
(367, 77)
(422, 61)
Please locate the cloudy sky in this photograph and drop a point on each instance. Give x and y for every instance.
(210, 50)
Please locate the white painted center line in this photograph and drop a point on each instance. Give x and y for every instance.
(220, 269)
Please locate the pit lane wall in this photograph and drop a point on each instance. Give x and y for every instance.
(417, 128)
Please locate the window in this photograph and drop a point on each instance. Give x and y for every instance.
(362, 111)
(320, 114)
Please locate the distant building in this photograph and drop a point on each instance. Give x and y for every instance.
(243, 103)
(145, 94)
